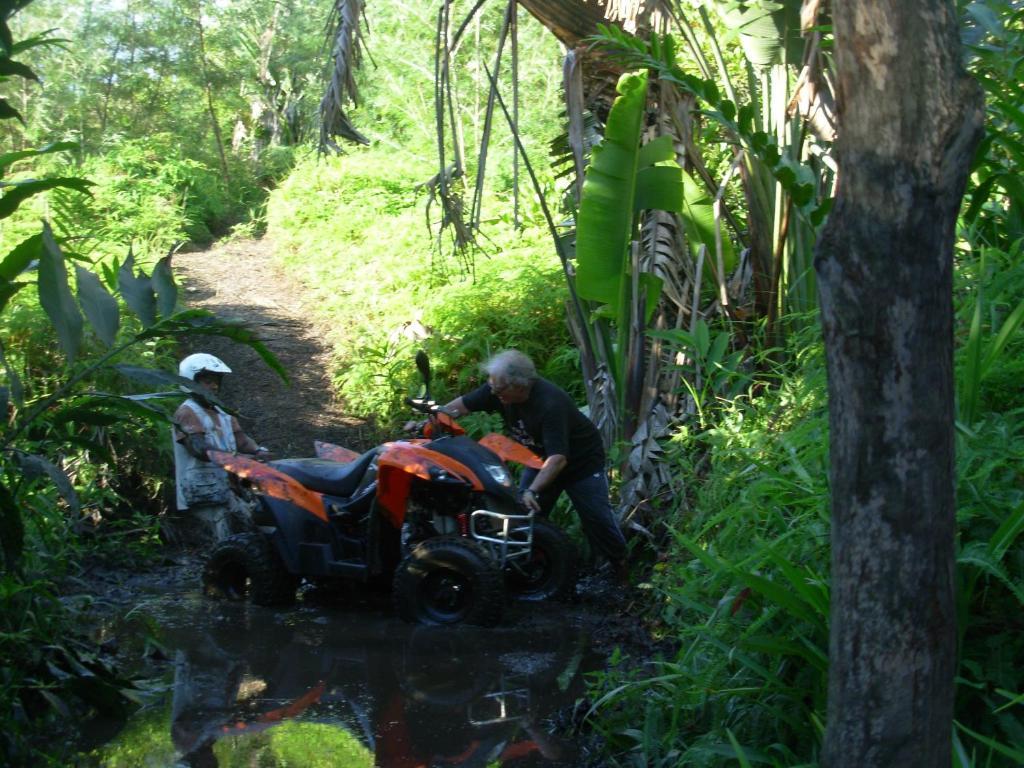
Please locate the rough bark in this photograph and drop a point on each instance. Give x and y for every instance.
(569, 20)
(909, 120)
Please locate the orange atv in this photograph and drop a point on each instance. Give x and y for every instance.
(438, 516)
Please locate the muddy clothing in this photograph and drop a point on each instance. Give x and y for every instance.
(549, 423)
(202, 487)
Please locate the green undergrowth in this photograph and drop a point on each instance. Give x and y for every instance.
(353, 229)
(744, 586)
(149, 194)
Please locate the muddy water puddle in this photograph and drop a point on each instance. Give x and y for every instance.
(317, 685)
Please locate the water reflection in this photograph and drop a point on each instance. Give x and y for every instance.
(311, 687)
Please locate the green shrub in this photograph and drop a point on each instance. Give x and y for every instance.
(353, 229)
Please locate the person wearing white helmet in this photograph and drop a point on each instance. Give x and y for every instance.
(200, 426)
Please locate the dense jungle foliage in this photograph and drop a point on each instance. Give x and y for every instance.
(131, 130)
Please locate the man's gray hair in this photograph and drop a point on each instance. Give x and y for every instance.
(511, 367)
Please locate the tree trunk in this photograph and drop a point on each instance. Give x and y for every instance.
(909, 121)
(568, 20)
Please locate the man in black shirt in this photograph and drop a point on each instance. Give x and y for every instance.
(544, 418)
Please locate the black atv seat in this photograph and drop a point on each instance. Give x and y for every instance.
(325, 476)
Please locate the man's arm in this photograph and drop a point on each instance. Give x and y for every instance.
(456, 408)
(549, 470)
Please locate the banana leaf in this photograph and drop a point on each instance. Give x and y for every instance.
(621, 180)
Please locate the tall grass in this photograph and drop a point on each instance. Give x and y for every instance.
(744, 586)
(743, 589)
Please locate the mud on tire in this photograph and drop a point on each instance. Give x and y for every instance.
(449, 580)
(247, 565)
(550, 573)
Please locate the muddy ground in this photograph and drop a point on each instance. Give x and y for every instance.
(239, 280)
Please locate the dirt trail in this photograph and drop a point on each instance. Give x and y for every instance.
(240, 280)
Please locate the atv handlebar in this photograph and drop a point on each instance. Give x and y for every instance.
(428, 407)
(438, 421)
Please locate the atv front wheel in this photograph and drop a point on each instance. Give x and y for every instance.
(246, 564)
(550, 571)
(449, 580)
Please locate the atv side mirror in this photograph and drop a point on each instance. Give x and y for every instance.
(423, 364)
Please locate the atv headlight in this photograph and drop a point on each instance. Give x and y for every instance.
(499, 473)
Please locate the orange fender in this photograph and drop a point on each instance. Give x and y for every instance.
(453, 427)
(272, 482)
(333, 452)
(509, 450)
(400, 462)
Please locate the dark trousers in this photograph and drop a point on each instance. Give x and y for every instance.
(589, 497)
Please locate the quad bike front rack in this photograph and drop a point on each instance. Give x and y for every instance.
(505, 537)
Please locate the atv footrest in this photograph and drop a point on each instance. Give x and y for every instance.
(350, 569)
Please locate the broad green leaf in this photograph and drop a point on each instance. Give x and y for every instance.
(606, 215)
(11, 68)
(137, 291)
(55, 701)
(699, 222)
(8, 159)
(702, 335)
(163, 283)
(38, 466)
(100, 307)
(55, 296)
(18, 192)
(659, 188)
(7, 290)
(12, 528)
(43, 38)
(8, 112)
(660, 150)
(162, 378)
(717, 349)
(99, 405)
(21, 256)
(651, 286)
(201, 322)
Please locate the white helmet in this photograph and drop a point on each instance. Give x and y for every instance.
(201, 362)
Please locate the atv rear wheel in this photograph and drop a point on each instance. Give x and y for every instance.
(449, 580)
(246, 564)
(550, 571)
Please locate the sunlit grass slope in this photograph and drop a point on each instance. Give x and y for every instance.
(353, 229)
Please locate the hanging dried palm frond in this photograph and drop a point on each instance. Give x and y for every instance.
(637, 14)
(572, 83)
(485, 134)
(448, 189)
(649, 480)
(345, 41)
(813, 97)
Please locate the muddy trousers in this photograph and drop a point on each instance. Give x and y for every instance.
(590, 498)
(216, 522)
